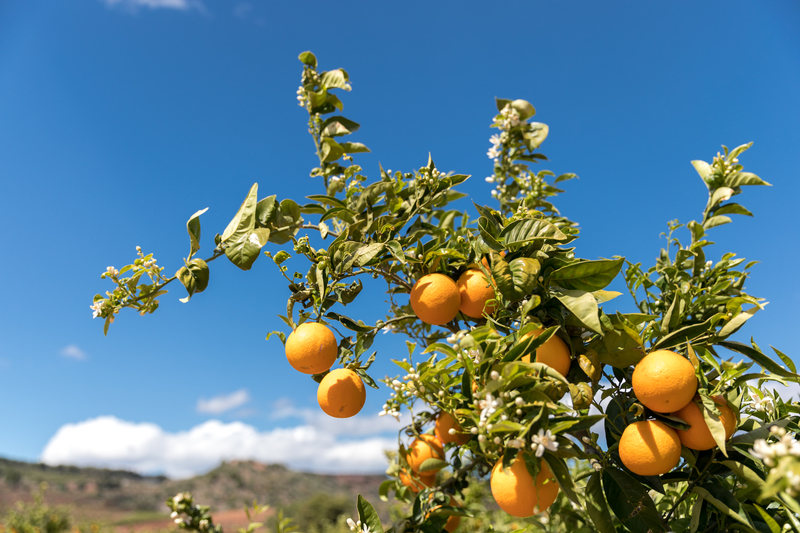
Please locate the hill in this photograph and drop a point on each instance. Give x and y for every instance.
(128, 499)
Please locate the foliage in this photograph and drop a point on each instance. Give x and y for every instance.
(404, 225)
(37, 516)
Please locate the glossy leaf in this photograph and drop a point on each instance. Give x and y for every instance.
(631, 503)
(244, 220)
(758, 357)
(530, 229)
(244, 251)
(588, 275)
(193, 227)
(309, 59)
(368, 516)
(194, 277)
(597, 506)
(583, 306)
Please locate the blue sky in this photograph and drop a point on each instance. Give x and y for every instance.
(119, 119)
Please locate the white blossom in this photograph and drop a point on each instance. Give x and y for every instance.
(543, 440)
(97, 307)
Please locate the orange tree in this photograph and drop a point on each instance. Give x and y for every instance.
(583, 418)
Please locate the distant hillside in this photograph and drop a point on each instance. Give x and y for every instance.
(117, 496)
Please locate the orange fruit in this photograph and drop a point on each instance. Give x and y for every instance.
(417, 482)
(341, 393)
(664, 381)
(698, 437)
(475, 291)
(423, 448)
(649, 448)
(435, 299)
(454, 520)
(554, 353)
(444, 423)
(485, 260)
(311, 348)
(515, 491)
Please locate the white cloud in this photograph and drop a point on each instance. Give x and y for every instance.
(357, 426)
(182, 5)
(73, 352)
(109, 442)
(224, 402)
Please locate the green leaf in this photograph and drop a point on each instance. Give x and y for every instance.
(720, 195)
(368, 516)
(785, 358)
(744, 178)
(244, 221)
(581, 394)
(366, 253)
(685, 334)
(501, 103)
(583, 305)
(244, 252)
(702, 168)
(309, 59)
(588, 275)
(286, 219)
(597, 506)
(737, 322)
(535, 134)
(193, 227)
(349, 323)
(758, 357)
(631, 503)
(562, 474)
(716, 221)
(524, 109)
(330, 150)
(193, 276)
(335, 79)
(264, 210)
(565, 177)
(432, 465)
(719, 497)
(711, 417)
(732, 209)
(354, 148)
(530, 229)
(338, 125)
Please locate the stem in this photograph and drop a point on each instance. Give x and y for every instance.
(313, 226)
(689, 487)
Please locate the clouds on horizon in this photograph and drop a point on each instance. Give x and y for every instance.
(109, 442)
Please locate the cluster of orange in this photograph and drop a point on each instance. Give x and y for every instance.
(311, 349)
(436, 299)
(432, 447)
(665, 382)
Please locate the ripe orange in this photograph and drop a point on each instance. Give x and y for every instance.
(515, 491)
(311, 348)
(341, 393)
(649, 448)
(444, 423)
(454, 520)
(664, 381)
(698, 437)
(475, 291)
(417, 482)
(435, 299)
(554, 353)
(425, 447)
